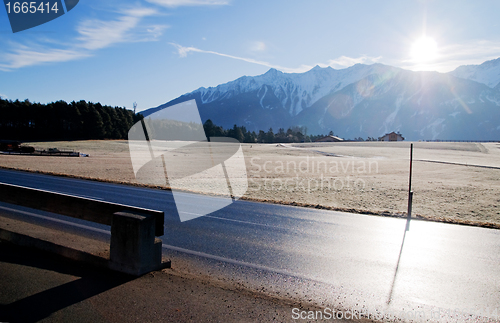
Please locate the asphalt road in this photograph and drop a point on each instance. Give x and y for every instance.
(338, 260)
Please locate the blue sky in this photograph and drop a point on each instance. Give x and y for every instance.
(152, 51)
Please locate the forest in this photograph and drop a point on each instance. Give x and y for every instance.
(82, 120)
(26, 121)
(240, 133)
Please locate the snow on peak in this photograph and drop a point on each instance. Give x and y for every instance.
(273, 71)
(487, 73)
(295, 91)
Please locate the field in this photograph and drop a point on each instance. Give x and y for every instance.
(452, 182)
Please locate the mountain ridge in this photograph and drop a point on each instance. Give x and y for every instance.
(487, 73)
(360, 101)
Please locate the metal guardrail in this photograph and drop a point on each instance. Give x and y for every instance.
(133, 249)
(73, 206)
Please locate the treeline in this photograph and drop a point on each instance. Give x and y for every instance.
(165, 129)
(240, 133)
(24, 120)
(82, 120)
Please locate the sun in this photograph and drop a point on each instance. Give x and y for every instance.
(424, 50)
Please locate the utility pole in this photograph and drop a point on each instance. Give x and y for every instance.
(410, 193)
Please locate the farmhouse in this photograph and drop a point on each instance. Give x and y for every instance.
(10, 145)
(329, 138)
(392, 137)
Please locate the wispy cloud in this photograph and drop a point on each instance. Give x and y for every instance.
(97, 34)
(452, 56)
(344, 61)
(183, 52)
(179, 3)
(3, 96)
(23, 56)
(341, 62)
(94, 34)
(258, 46)
(156, 31)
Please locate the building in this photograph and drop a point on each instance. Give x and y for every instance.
(329, 138)
(392, 137)
(10, 145)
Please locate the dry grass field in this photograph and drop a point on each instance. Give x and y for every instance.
(452, 182)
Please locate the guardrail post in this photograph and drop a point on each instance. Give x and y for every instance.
(134, 249)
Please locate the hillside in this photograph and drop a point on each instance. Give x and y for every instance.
(360, 101)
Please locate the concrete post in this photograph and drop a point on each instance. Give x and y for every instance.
(134, 249)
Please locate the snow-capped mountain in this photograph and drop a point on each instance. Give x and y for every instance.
(295, 91)
(487, 73)
(360, 101)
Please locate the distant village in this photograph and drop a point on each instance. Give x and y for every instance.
(393, 136)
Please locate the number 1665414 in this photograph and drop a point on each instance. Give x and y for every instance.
(31, 7)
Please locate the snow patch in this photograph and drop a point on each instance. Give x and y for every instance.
(487, 73)
(493, 100)
(390, 119)
(300, 90)
(263, 96)
(434, 128)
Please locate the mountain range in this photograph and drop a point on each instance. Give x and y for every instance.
(360, 101)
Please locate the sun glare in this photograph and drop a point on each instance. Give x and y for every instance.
(424, 50)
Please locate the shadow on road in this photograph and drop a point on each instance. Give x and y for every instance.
(407, 227)
(21, 264)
